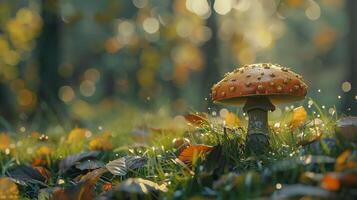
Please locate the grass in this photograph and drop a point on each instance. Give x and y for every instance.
(226, 172)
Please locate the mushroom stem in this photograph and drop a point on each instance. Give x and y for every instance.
(258, 130)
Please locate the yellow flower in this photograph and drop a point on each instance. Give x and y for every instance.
(4, 141)
(76, 135)
(44, 150)
(101, 142)
(299, 117)
(232, 120)
(8, 189)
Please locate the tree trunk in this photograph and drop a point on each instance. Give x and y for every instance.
(48, 49)
(210, 74)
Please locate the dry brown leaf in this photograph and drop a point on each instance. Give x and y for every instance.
(44, 172)
(83, 190)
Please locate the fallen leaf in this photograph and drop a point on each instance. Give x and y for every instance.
(346, 161)
(72, 160)
(44, 172)
(197, 119)
(191, 153)
(90, 165)
(299, 117)
(121, 166)
(8, 189)
(330, 182)
(24, 174)
(334, 181)
(81, 191)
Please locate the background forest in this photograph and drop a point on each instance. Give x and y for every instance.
(77, 58)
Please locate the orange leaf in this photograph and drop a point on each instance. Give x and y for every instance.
(192, 152)
(330, 182)
(299, 117)
(196, 119)
(343, 161)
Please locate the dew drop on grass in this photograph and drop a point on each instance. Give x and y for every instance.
(319, 90)
(278, 186)
(60, 181)
(310, 102)
(323, 106)
(206, 99)
(339, 97)
(318, 116)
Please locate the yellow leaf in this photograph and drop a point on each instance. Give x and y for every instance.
(8, 189)
(299, 117)
(232, 120)
(101, 142)
(44, 150)
(76, 135)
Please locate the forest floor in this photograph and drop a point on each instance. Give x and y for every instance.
(195, 156)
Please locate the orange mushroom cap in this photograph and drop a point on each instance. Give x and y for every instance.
(279, 84)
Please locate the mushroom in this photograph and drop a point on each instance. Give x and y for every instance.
(259, 87)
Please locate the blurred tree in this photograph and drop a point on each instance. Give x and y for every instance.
(211, 73)
(48, 58)
(350, 101)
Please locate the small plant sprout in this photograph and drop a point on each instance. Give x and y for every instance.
(259, 87)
